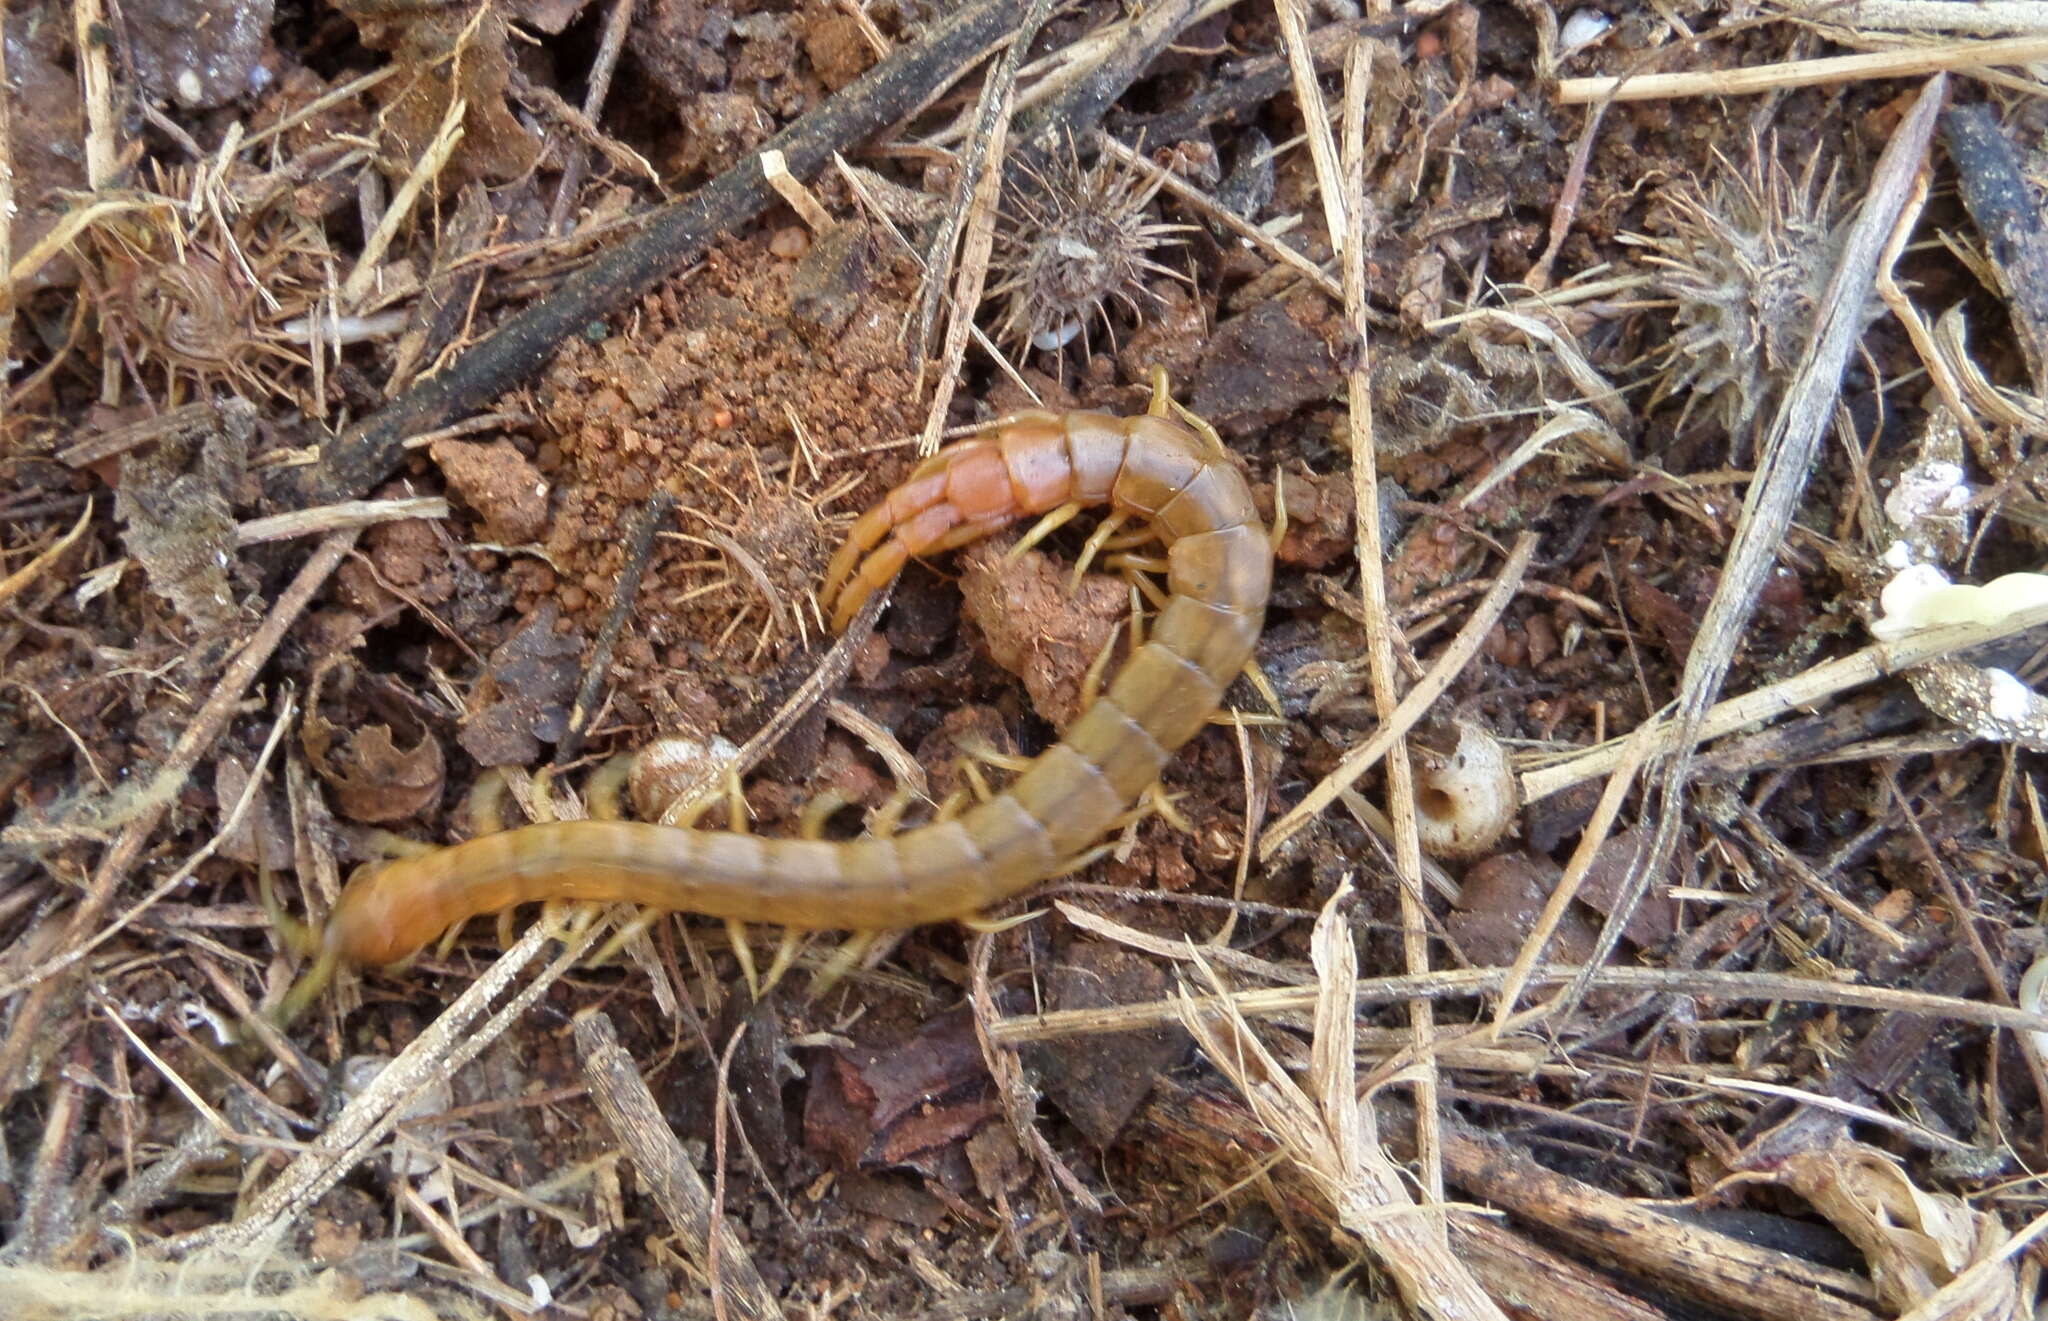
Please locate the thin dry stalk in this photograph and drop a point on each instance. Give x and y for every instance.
(1808, 689)
(1332, 1137)
(981, 156)
(1456, 983)
(12, 585)
(1342, 187)
(1909, 63)
(1169, 182)
(446, 138)
(1979, 18)
(599, 86)
(449, 1042)
(1784, 465)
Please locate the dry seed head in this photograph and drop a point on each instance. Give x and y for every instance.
(1072, 240)
(1746, 260)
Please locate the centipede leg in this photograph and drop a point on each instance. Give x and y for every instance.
(818, 812)
(640, 924)
(743, 954)
(786, 950)
(1093, 546)
(884, 820)
(1091, 681)
(446, 946)
(1042, 529)
(844, 960)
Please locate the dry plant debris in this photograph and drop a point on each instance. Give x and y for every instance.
(1494, 357)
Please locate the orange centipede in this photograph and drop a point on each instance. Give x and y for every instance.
(1219, 564)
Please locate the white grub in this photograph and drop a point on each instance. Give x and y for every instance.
(1465, 803)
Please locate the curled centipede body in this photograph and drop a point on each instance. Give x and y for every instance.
(1219, 572)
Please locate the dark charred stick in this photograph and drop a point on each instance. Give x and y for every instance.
(2009, 217)
(366, 453)
(639, 550)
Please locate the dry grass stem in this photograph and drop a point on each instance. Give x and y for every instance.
(1331, 1136)
(792, 190)
(1458, 983)
(347, 515)
(1980, 18)
(1807, 689)
(1169, 182)
(1912, 62)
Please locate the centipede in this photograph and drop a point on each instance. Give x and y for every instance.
(1163, 467)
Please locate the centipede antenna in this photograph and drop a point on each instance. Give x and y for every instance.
(307, 989)
(391, 844)
(298, 936)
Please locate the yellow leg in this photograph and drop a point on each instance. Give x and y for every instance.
(1042, 529)
(785, 955)
(311, 982)
(975, 780)
(297, 936)
(884, 820)
(390, 844)
(1093, 546)
(446, 945)
(736, 931)
(506, 935)
(1091, 682)
(844, 960)
(992, 926)
(541, 795)
(1278, 532)
(811, 822)
(982, 751)
(642, 922)
(1129, 563)
(951, 807)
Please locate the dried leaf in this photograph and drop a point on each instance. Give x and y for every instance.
(1914, 1242)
